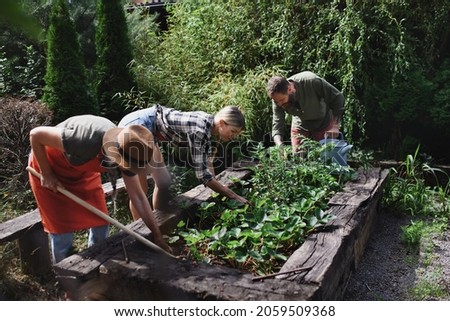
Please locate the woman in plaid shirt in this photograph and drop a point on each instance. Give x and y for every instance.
(193, 130)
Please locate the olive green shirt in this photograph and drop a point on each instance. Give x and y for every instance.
(315, 103)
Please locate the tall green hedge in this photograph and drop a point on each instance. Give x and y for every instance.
(66, 89)
(114, 57)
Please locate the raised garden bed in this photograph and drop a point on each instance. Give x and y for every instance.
(124, 269)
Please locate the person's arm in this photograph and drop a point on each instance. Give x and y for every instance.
(218, 187)
(278, 124)
(40, 137)
(202, 163)
(335, 128)
(211, 166)
(141, 204)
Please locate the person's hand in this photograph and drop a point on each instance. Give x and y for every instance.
(333, 133)
(50, 180)
(243, 200)
(162, 244)
(277, 140)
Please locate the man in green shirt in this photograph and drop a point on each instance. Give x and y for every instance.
(316, 107)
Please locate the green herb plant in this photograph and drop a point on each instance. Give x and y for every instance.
(408, 190)
(289, 199)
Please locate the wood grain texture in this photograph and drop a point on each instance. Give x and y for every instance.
(332, 253)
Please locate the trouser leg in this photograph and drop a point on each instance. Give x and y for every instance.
(162, 180)
(97, 234)
(60, 245)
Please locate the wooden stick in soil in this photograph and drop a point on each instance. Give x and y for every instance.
(268, 276)
(104, 216)
(125, 254)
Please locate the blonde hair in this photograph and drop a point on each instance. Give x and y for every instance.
(232, 115)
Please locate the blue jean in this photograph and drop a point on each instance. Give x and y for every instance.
(145, 117)
(62, 243)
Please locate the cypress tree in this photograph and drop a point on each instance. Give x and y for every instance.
(66, 88)
(113, 58)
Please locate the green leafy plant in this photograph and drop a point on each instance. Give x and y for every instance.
(412, 234)
(407, 190)
(66, 88)
(289, 198)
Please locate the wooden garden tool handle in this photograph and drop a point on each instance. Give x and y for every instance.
(97, 212)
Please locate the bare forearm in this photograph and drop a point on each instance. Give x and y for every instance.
(147, 215)
(140, 203)
(142, 206)
(211, 166)
(218, 187)
(40, 137)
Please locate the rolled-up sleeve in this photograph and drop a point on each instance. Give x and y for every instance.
(278, 121)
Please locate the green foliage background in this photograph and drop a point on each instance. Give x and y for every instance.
(390, 59)
(66, 88)
(114, 55)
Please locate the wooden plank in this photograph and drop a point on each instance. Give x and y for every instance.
(336, 252)
(149, 276)
(120, 186)
(357, 192)
(332, 252)
(32, 240)
(89, 260)
(15, 228)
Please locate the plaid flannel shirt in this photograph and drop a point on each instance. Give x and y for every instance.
(188, 129)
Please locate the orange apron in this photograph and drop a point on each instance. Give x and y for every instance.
(59, 213)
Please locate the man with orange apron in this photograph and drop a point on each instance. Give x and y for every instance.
(72, 155)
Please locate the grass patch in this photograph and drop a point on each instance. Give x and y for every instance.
(429, 286)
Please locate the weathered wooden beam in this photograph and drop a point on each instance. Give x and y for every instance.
(27, 229)
(13, 229)
(32, 240)
(333, 254)
(330, 255)
(88, 261)
(149, 276)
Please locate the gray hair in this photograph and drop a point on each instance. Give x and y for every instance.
(277, 84)
(232, 115)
